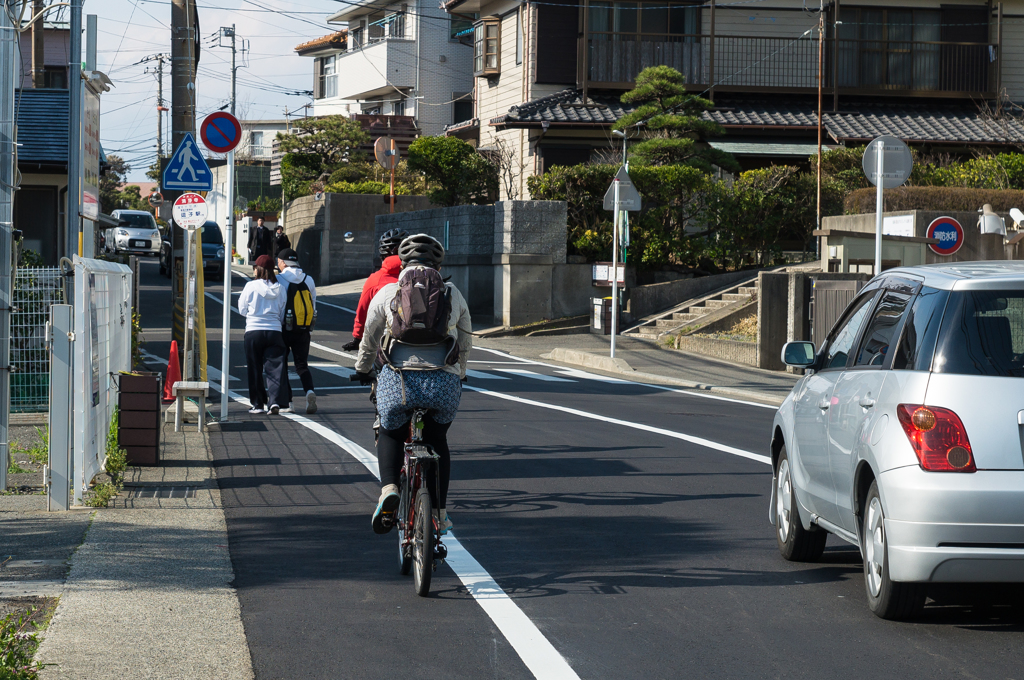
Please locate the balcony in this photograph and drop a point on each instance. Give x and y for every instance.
(361, 70)
(763, 64)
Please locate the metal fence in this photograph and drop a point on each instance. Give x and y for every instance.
(35, 290)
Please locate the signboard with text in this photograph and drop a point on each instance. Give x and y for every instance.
(91, 155)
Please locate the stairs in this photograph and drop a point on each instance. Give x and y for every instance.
(696, 313)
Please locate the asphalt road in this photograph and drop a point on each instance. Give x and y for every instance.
(626, 524)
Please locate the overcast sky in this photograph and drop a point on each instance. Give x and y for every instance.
(130, 30)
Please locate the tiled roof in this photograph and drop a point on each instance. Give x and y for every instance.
(945, 122)
(566, 107)
(334, 40)
(42, 119)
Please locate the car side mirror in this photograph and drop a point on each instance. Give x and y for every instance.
(799, 354)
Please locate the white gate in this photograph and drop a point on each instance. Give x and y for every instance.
(103, 345)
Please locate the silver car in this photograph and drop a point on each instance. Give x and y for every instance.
(906, 435)
(136, 233)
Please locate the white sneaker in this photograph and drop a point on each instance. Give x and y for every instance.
(288, 408)
(444, 523)
(257, 409)
(310, 402)
(274, 409)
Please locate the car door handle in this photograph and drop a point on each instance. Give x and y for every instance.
(824, 404)
(866, 402)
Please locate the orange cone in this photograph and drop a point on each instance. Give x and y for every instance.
(173, 372)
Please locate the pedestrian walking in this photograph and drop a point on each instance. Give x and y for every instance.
(262, 303)
(280, 243)
(299, 318)
(261, 241)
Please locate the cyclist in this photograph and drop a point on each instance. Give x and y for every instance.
(414, 376)
(390, 265)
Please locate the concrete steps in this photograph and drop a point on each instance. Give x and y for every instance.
(692, 315)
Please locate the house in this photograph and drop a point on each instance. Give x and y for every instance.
(257, 143)
(549, 76)
(407, 60)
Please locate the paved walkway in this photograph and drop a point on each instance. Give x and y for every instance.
(149, 591)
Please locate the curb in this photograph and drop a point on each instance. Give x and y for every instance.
(603, 363)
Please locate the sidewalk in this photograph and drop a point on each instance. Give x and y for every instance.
(644, 362)
(148, 592)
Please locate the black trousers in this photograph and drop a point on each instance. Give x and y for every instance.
(297, 342)
(391, 455)
(265, 354)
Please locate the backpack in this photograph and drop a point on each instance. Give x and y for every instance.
(421, 308)
(300, 305)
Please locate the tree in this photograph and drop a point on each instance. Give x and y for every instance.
(455, 172)
(110, 184)
(153, 173)
(335, 139)
(674, 123)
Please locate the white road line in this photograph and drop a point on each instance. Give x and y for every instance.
(532, 374)
(334, 369)
(344, 309)
(214, 373)
(591, 376)
(700, 441)
(533, 648)
(480, 375)
(325, 348)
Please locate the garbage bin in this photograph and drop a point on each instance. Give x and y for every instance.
(139, 403)
(601, 317)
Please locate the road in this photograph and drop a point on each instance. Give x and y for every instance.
(625, 524)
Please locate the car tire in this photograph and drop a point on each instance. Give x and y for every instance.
(888, 599)
(796, 544)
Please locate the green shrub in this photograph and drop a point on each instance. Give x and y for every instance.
(366, 187)
(456, 174)
(18, 644)
(298, 171)
(947, 199)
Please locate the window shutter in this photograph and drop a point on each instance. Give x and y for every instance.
(557, 36)
(318, 78)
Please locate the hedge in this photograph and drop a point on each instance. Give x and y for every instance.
(935, 198)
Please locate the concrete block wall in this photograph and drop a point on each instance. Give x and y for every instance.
(531, 227)
(470, 227)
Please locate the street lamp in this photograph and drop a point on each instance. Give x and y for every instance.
(620, 133)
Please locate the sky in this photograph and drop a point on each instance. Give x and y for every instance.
(131, 30)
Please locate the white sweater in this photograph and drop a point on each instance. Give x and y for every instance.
(262, 304)
(296, 275)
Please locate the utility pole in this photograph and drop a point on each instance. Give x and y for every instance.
(225, 341)
(821, 59)
(183, 121)
(38, 52)
(8, 81)
(73, 224)
(160, 107)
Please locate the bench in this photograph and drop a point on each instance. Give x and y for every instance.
(189, 388)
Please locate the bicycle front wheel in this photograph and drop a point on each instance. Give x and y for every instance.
(422, 544)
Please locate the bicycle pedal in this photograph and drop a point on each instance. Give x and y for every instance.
(440, 552)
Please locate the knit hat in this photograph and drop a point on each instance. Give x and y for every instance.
(265, 262)
(289, 256)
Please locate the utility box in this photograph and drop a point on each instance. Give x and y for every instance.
(139, 428)
(601, 316)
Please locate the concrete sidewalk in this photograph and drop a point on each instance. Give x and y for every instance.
(149, 590)
(645, 362)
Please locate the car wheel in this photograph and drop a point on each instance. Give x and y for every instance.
(795, 543)
(886, 598)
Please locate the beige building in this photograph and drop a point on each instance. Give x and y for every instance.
(549, 74)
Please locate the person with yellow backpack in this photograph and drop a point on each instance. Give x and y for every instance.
(299, 318)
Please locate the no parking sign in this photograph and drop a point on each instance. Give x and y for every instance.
(949, 233)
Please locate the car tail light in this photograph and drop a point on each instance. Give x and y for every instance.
(938, 437)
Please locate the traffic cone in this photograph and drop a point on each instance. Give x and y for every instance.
(173, 372)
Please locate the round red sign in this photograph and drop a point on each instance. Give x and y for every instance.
(949, 233)
(221, 132)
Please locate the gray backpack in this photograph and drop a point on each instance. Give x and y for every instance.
(421, 311)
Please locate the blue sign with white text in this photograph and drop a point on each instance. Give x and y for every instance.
(187, 169)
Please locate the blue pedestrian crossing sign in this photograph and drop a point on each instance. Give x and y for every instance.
(187, 170)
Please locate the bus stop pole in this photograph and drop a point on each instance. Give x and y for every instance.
(225, 351)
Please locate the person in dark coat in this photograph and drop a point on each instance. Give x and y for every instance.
(281, 243)
(261, 241)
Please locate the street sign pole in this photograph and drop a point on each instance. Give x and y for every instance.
(225, 336)
(188, 372)
(615, 267)
(880, 170)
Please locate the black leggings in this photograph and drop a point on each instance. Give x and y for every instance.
(391, 455)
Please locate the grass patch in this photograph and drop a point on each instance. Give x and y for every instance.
(18, 643)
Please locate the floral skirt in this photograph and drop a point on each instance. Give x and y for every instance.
(398, 393)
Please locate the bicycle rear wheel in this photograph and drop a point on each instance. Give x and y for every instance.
(422, 544)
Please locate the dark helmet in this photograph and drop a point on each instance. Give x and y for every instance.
(389, 242)
(421, 249)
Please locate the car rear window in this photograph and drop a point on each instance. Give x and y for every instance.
(982, 334)
(212, 235)
(138, 221)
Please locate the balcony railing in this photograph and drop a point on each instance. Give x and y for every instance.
(746, 63)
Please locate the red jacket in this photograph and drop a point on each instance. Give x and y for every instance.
(388, 273)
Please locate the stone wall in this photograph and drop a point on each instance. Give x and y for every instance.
(657, 297)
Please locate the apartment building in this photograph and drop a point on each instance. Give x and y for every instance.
(550, 74)
(402, 60)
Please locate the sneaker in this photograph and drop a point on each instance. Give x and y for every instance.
(376, 423)
(287, 408)
(274, 409)
(257, 409)
(384, 515)
(310, 402)
(444, 524)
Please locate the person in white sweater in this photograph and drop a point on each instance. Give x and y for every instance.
(262, 303)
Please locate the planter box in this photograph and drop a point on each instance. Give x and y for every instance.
(139, 427)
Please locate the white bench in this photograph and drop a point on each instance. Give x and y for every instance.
(189, 388)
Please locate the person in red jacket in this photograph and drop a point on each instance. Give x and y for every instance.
(388, 273)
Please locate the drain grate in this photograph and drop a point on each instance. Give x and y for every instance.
(163, 492)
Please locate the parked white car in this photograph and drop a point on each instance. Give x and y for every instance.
(136, 233)
(906, 435)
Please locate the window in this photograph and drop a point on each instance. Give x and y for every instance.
(918, 343)
(847, 331)
(486, 43)
(398, 108)
(519, 36)
(330, 76)
(256, 138)
(462, 107)
(982, 334)
(881, 332)
(55, 77)
(461, 28)
(623, 37)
